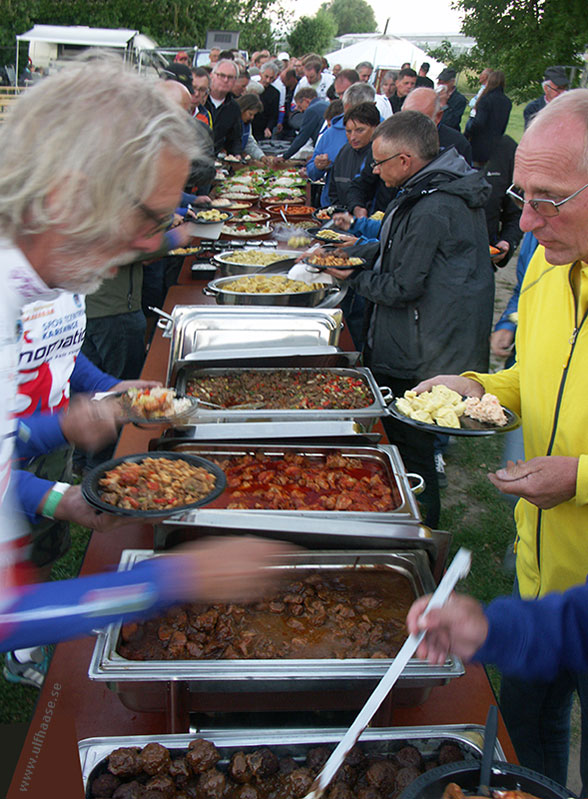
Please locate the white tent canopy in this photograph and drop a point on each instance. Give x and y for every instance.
(384, 51)
(79, 35)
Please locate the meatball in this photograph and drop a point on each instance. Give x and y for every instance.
(155, 759)
(341, 791)
(125, 762)
(245, 792)
(409, 756)
(355, 757)
(346, 774)
(317, 757)
(202, 755)
(212, 784)
(161, 786)
(105, 785)
(406, 775)
(130, 790)
(239, 770)
(381, 774)
(180, 770)
(262, 763)
(449, 753)
(300, 781)
(288, 765)
(368, 793)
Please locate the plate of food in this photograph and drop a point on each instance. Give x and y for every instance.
(153, 484)
(443, 410)
(252, 216)
(321, 261)
(290, 211)
(239, 195)
(329, 235)
(246, 230)
(155, 405)
(212, 216)
(286, 197)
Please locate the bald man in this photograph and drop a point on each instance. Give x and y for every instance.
(178, 94)
(428, 103)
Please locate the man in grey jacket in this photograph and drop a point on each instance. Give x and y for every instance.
(431, 281)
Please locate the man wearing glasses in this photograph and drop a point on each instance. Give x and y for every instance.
(226, 116)
(555, 82)
(548, 386)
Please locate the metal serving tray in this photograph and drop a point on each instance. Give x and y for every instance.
(295, 743)
(226, 330)
(385, 455)
(273, 675)
(367, 415)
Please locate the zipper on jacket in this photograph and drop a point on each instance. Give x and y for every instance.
(562, 383)
(417, 325)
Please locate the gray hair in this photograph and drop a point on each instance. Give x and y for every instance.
(90, 138)
(411, 131)
(392, 74)
(358, 93)
(269, 66)
(572, 103)
(222, 63)
(364, 65)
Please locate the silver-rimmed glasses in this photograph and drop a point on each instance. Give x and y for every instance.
(547, 208)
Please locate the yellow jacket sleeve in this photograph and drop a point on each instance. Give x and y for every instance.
(504, 384)
(582, 481)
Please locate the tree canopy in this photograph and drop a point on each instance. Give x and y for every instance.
(522, 38)
(352, 16)
(170, 22)
(312, 34)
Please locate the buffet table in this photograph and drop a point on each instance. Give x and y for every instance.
(97, 711)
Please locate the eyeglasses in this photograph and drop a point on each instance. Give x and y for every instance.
(224, 76)
(375, 163)
(546, 208)
(161, 221)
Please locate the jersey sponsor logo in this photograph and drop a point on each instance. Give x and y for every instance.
(53, 349)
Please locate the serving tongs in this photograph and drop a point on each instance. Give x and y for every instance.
(459, 568)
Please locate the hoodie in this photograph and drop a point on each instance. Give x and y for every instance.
(331, 142)
(432, 282)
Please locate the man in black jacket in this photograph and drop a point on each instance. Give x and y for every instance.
(455, 102)
(431, 281)
(226, 116)
(368, 191)
(264, 123)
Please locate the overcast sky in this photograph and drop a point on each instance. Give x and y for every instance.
(418, 16)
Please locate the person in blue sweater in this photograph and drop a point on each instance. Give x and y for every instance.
(313, 115)
(531, 639)
(85, 187)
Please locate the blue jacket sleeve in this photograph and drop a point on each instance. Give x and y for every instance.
(49, 612)
(30, 490)
(37, 434)
(368, 228)
(536, 639)
(304, 134)
(527, 250)
(87, 378)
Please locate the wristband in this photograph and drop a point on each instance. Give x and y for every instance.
(53, 500)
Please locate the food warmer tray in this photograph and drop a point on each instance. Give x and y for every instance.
(341, 431)
(294, 742)
(385, 455)
(367, 415)
(194, 328)
(273, 675)
(325, 356)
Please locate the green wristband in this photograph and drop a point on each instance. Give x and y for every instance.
(53, 500)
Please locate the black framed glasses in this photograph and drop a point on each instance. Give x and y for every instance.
(375, 163)
(161, 222)
(546, 208)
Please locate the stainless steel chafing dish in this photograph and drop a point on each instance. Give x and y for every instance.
(274, 675)
(326, 296)
(227, 332)
(367, 415)
(294, 743)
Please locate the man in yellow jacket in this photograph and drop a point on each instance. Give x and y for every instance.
(548, 386)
